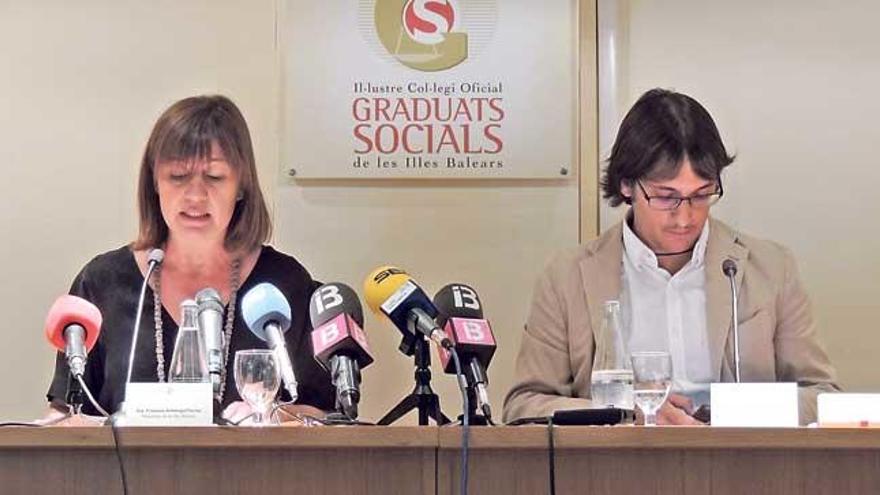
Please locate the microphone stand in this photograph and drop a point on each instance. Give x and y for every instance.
(422, 397)
(474, 417)
(730, 272)
(74, 396)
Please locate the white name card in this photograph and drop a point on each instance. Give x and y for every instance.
(849, 410)
(167, 404)
(754, 404)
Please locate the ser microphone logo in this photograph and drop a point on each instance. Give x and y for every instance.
(422, 34)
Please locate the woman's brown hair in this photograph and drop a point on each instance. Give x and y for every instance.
(185, 131)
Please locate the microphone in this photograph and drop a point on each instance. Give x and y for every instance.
(728, 267)
(210, 314)
(154, 259)
(266, 312)
(461, 314)
(338, 342)
(72, 326)
(390, 291)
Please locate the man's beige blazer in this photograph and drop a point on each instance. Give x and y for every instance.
(777, 330)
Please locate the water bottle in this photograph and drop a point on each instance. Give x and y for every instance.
(189, 362)
(611, 383)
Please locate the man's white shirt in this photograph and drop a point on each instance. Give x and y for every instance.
(663, 312)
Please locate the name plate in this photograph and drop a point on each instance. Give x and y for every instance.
(754, 404)
(849, 410)
(167, 404)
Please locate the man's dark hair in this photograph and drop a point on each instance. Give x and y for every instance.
(657, 134)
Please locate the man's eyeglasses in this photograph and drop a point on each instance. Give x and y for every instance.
(673, 202)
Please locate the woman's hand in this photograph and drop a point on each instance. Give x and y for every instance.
(56, 417)
(288, 415)
(238, 412)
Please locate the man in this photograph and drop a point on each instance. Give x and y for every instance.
(664, 264)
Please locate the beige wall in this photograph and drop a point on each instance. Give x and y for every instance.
(792, 85)
(81, 86)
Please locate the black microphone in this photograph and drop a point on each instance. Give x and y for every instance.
(210, 313)
(154, 259)
(728, 267)
(339, 343)
(461, 316)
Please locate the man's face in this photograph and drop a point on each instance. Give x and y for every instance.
(670, 231)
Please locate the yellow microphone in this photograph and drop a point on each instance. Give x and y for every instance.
(380, 284)
(391, 292)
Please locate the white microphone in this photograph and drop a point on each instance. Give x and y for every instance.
(154, 259)
(211, 323)
(729, 268)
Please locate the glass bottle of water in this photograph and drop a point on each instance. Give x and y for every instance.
(189, 362)
(612, 379)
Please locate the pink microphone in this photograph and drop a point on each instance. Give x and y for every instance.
(72, 326)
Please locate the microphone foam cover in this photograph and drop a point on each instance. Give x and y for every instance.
(264, 304)
(380, 284)
(457, 301)
(333, 299)
(156, 255)
(69, 310)
(729, 267)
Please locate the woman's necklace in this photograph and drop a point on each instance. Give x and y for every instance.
(234, 280)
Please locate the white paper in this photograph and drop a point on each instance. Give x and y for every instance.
(754, 404)
(168, 404)
(851, 409)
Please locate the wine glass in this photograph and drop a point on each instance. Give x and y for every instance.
(257, 379)
(652, 378)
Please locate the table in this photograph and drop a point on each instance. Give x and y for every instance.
(411, 460)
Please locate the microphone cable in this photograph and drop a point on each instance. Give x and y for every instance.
(91, 398)
(487, 412)
(118, 449)
(465, 420)
(551, 456)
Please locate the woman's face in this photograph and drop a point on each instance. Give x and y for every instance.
(198, 197)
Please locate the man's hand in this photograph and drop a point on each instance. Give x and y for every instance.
(676, 410)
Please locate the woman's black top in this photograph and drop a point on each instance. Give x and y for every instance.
(112, 282)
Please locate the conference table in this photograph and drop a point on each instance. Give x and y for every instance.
(355, 460)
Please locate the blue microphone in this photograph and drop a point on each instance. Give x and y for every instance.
(266, 312)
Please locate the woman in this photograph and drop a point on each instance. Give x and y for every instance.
(200, 201)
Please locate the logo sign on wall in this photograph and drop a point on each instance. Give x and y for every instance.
(424, 35)
(429, 89)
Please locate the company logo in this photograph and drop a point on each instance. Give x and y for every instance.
(428, 22)
(422, 34)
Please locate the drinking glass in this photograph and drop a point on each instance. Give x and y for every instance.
(257, 379)
(652, 378)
